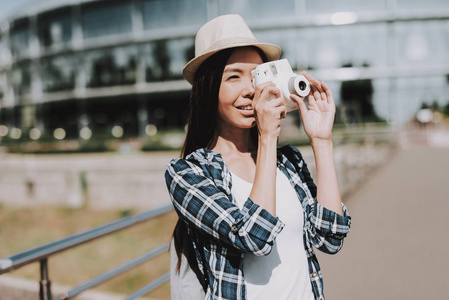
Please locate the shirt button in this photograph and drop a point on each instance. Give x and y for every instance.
(234, 228)
(314, 274)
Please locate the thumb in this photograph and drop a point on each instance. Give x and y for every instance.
(301, 105)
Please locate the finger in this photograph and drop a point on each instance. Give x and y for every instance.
(262, 91)
(284, 110)
(313, 103)
(318, 91)
(277, 102)
(280, 112)
(311, 98)
(316, 87)
(315, 92)
(269, 91)
(284, 114)
(323, 94)
(313, 81)
(301, 104)
(330, 95)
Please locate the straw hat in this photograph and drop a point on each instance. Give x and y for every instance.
(228, 31)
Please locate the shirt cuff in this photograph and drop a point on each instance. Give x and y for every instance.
(258, 223)
(328, 222)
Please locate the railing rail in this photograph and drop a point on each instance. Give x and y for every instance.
(43, 252)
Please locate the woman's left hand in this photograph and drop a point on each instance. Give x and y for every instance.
(318, 119)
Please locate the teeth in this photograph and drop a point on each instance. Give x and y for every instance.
(249, 107)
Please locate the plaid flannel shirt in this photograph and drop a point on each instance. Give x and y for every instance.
(200, 189)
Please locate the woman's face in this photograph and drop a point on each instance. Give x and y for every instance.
(236, 89)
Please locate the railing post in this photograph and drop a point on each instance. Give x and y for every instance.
(44, 283)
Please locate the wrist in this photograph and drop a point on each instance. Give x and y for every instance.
(268, 140)
(321, 143)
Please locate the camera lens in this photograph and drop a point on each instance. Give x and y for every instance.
(298, 85)
(302, 85)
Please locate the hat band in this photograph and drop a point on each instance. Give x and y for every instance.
(229, 42)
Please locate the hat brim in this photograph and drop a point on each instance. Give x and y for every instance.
(272, 52)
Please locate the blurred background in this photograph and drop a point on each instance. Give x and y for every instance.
(93, 105)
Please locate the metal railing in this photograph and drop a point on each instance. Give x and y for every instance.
(42, 253)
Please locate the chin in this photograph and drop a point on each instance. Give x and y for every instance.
(249, 124)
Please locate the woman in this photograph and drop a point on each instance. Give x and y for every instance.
(249, 213)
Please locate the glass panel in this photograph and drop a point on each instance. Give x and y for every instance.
(326, 6)
(58, 73)
(257, 9)
(179, 51)
(5, 54)
(168, 110)
(21, 78)
(19, 37)
(420, 5)
(5, 118)
(173, 13)
(287, 39)
(413, 92)
(111, 67)
(106, 18)
(381, 98)
(3, 86)
(105, 113)
(55, 28)
(422, 43)
(60, 114)
(164, 59)
(357, 45)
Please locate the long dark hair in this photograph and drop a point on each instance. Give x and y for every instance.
(202, 133)
(202, 122)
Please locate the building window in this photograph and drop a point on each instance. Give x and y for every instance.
(173, 13)
(104, 18)
(164, 59)
(19, 37)
(3, 87)
(21, 78)
(111, 67)
(326, 6)
(5, 54)
(421, 43)
(58, 73)
(62, 115)
(55, 27)
(420, 6)
(287, 39)
(257, 10)
(355, 45)
(106, 113)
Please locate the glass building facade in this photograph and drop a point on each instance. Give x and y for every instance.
(111, 69)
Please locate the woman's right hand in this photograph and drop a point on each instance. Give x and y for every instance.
(269, 109)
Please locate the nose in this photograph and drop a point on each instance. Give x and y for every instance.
(249, 91)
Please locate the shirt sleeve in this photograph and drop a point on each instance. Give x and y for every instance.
(199, 202)
(327, 228)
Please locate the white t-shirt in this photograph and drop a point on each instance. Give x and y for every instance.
(284, 273)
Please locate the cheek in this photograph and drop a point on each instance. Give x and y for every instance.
(223, 93)
(226, 96)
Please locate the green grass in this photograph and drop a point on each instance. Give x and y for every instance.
(24, 228)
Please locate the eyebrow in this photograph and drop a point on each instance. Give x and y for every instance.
(233, 70)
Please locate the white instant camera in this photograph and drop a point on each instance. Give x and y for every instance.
(280, 72)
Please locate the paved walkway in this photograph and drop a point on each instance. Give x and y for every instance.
(398, 244)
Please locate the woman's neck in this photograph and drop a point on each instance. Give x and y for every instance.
(233, 139)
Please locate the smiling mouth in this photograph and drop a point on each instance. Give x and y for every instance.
(247, 107)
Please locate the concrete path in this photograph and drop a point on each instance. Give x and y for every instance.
(398, 247)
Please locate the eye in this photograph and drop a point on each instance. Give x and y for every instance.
(234, 77)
